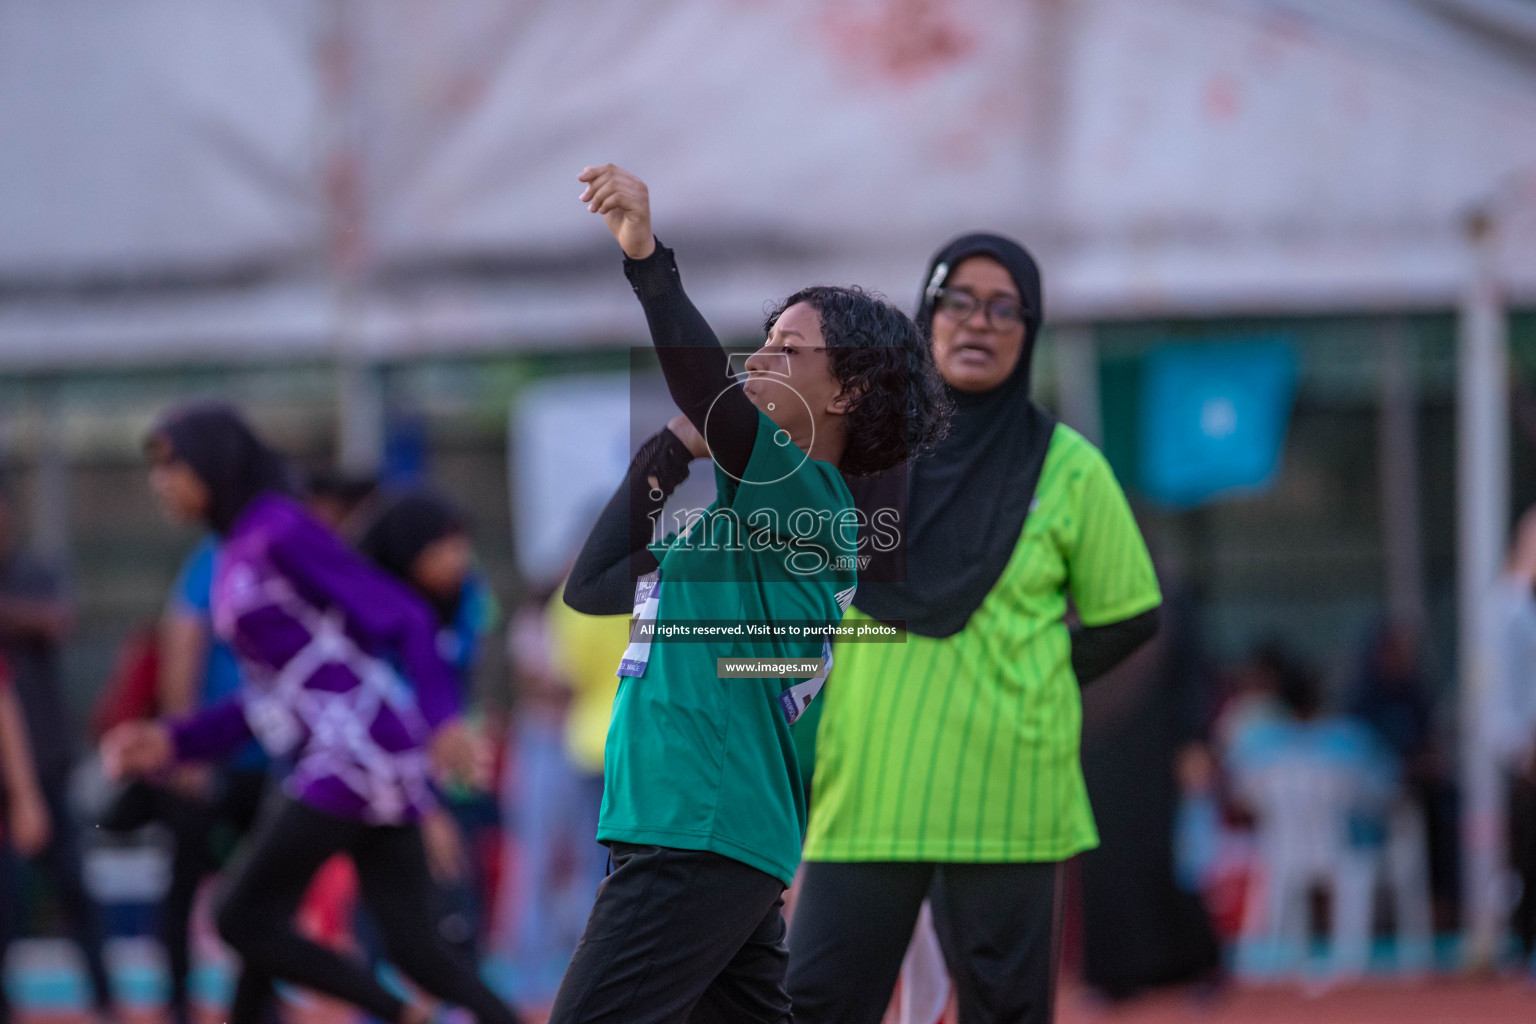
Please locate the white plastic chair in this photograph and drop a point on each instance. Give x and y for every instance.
(1303, 805)
(1407, 878)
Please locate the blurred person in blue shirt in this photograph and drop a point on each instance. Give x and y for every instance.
(1306, 733)
(207, 810)
(1507, 723)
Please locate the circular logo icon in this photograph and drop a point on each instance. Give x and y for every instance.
(780, 437)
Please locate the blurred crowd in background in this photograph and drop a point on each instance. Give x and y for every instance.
(1259, 815)
(517, 865)
(1290, 253)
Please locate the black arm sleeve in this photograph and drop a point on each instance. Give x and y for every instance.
(696, 367)
(1097, 649)
(602, 582)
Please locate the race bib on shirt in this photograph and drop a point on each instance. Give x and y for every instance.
(647, 600)
(794, 701)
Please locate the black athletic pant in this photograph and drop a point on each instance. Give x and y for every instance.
(1522, 858)
(675, 936)
(998, 924)
(62, 860)
(256, 916)
(193, 825)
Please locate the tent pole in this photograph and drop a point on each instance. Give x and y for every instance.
(360, 399)
(1482, 517)
(1077, 381)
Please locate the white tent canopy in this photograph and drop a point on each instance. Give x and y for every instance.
(184, 180)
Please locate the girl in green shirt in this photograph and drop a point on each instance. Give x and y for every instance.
(703, 801)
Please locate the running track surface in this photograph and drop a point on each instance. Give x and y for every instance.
(1450, 1001)
(1493, 1001)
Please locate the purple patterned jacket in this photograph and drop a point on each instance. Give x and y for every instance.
(318, 632)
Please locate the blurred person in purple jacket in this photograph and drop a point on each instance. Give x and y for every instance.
(317, 631)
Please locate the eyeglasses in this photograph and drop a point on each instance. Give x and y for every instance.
(960, 306)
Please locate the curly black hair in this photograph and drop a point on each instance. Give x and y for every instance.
(900, 407)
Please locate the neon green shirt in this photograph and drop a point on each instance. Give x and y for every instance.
(965, 748)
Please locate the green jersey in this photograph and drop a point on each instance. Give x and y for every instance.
(697, 762)
(965, 748)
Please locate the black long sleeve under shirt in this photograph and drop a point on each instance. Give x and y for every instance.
(698, 377)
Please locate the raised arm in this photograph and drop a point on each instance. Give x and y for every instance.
(696, 367)
(145, 746)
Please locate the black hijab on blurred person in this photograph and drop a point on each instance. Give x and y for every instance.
(966, 500)
(1390, 694)
(343, 499)
(405, 529)
(232, 462)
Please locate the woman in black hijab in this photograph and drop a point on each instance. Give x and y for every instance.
(423, 540)
(208, 464)
(947, 766)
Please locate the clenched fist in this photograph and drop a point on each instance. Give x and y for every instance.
(625, 204)
(458, 755)
(135, 748)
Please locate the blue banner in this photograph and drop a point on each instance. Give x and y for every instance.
(1214, 419)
